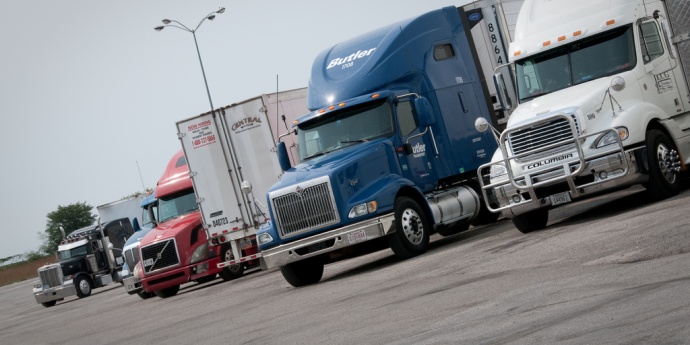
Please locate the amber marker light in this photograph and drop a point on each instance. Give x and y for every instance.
(561, 38)
(331, 107)
(341, 104)
(577, 33)
(610, 22)
(376, 95)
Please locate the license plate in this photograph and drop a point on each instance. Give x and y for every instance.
(357, 236)
(560, 198)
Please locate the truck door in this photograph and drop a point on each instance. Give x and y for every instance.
(417, 151)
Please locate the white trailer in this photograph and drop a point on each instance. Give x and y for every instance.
(129, 207)
(492, 24)
(232, 161)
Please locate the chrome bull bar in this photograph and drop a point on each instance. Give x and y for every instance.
(567, 169)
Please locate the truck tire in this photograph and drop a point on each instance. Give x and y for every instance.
(305, 272)
(531, 221)
(169, 292)
(83, 285)
(412, 229)
(48, 304)
(145, 295)
(663, 183)
(230, 272)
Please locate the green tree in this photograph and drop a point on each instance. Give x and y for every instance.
(71, 217)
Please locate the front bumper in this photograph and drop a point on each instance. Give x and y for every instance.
(527, 193)
(53, 294)
(327, 242)
(181, 275)
(132, 285)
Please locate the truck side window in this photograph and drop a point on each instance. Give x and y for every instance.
(443, 51)
(650, 40)
(406, 118)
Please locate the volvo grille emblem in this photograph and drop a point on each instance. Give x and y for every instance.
(353, 182)
(298, 190)
(159, 255)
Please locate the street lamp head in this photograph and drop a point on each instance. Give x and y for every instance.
(221, 10)
(159, 28)
(211, 17)
(166, 21)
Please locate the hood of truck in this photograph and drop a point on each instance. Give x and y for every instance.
(179, 227)
(586, 98)
(357, 174)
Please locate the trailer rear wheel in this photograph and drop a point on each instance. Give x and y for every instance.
(83, 285)
(169, 292)
(230, 272)
(531, 221)
(48, 304)
(305, 272)
(412, 229)
(663, 181)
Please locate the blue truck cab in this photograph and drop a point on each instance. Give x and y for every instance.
(389, 151)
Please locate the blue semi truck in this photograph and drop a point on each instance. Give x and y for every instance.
(389, 151)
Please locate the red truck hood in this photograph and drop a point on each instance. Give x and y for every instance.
(173, 228)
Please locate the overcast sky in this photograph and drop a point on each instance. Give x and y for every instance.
(88, 88)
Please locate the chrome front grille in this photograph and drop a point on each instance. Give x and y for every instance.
(304, 207)
(131, 257)
(537, 137)
(160, 255)
(51, 275)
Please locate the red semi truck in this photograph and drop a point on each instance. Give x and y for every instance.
(177, 250)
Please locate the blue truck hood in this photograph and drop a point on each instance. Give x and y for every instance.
(358, 173)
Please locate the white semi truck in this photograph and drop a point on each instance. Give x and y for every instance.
(232, 161)
(603, 103)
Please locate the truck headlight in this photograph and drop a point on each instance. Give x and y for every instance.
(200, 253)
(497, 170)
(264, 238)
(609, 137)
(362, 209)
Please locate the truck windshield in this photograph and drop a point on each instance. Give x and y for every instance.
(602, 55)
(349, 127)
(73, 252)
(177, 205)
(146, 215)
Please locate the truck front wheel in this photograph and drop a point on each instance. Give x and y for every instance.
(83, 285)
(531, 221)
(230, 272)
(305, 272)
(412, 229)
(169, 292)
(145, 295)
(663, 181)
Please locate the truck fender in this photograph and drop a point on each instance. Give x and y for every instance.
(637, 117)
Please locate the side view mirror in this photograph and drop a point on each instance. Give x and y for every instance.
(425, 113)
(283, 157)
(481, 125)
(502, 92)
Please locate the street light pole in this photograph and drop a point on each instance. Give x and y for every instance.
(176, 24)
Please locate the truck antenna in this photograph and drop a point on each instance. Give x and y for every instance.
(277, 110)
(142, 179)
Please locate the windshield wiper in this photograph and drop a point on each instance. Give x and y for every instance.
(353, 141)
(321, 153)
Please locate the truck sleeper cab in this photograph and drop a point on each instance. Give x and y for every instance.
(602, 108)
(389, 153)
